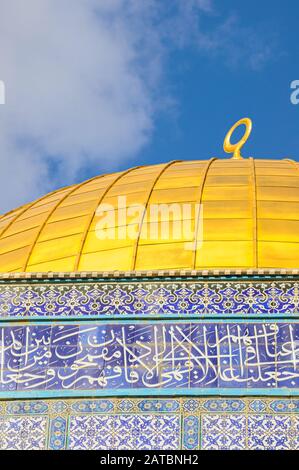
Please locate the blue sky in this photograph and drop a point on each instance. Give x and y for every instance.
(212, 93)
(109, 84)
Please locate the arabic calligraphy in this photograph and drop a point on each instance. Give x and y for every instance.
(143, 355)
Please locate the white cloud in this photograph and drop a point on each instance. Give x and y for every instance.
(82, 84)
(74, 92)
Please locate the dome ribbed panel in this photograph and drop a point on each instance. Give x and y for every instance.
(249, 219)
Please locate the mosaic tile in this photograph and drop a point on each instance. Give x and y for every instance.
(224, 405)
(148, 432)
(182, 298)
(126, 405)
(91, 432)
(191, 433)
(159, 405)
(283, 406)
(58, 406)
(57, 433)
(257, 405)
(178, 423)
(23, 433)
(191, 405)
(210, 358)
(222, 432)
(101, 357)
(124, 432)
(266, 432)
(91, 406)
(31, 407)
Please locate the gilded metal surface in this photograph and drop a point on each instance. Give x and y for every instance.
(228, 147)
(250, 220)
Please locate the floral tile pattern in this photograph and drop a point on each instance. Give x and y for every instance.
(222, 432)
(150, 424)
(266, 432)
(23, 433)
(90, 432)
(124, 432)
(181, 298)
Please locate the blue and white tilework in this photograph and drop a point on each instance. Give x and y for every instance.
(272, 432)
(126, 358)
(123, 431)
(178, 298)
(191, 432)
(223, 432)
(150, 424)
(180, 364)
(23, 432)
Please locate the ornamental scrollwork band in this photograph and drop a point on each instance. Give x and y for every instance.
(92, 300)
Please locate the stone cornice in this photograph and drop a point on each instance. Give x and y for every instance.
(150, 274)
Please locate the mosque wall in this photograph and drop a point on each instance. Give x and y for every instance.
(148, 423)
(150, 363)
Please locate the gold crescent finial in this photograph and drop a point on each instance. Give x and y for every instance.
(236, 148)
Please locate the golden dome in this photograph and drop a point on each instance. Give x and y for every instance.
(250, 220)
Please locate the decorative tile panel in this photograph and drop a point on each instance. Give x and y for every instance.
(23, 433)
(223, 432)
(131, 358)
(272, 432)
(181, 298)
(57, 433)
(191, 432)
(139, 339)
(191, 424)
(91, 432)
